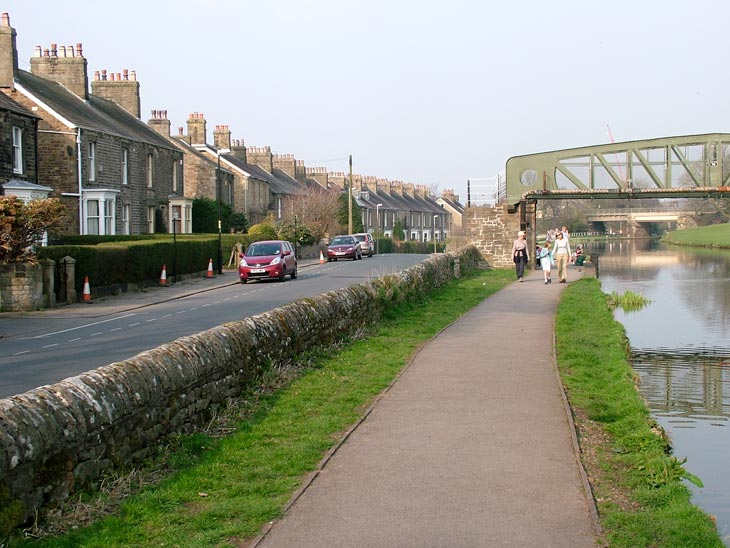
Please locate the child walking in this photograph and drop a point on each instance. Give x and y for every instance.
(546, 262)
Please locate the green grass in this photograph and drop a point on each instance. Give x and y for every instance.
(705, 236)
(639, 486)
(227, 488)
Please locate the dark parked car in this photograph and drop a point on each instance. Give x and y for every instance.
(366, 243)
(344, 247)
(266, 260)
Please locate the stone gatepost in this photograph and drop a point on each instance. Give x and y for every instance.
(69, 278)
(49, 281)
(21, 287)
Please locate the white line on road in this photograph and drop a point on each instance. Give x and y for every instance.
(74, 340)
(134, 324)
(23, 352)
(97, 333)
(79, 327)
(167, 315)
(50, 345)
(115, 329)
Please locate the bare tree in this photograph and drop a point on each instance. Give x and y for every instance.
(317, 209)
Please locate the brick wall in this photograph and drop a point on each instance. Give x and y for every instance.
(58, 439)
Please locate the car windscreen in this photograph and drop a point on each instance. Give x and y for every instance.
(362, 238)
(341, 241)
(261, 250)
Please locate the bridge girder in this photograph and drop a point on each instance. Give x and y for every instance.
(683, 166)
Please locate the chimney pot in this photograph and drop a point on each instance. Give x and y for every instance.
(103, 74)
(38, 51)
(54, 50)
(6, 20)
(111, 76)
(96, 75)
(134, 75)
(125, 72)
(79, 49)
(63, 51)
(70, 50)
(46, 53)
(180, 130)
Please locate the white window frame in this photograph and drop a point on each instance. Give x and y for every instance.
(174, 175)
(104, 221)
(17, 149)
(150, 175)
(125, 166)
(150, 219)
(92, 161)
(126, 208)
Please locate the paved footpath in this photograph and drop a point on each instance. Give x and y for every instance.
(471, 447)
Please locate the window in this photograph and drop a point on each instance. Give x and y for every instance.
(149, 171)
(150, 219)
(174, 176)
(188, 219)
(125, 166)
(125, 218)
(92, 217)
(109, 217)
(92, 162)
(17, 150)
(176, 218)
(413, 236)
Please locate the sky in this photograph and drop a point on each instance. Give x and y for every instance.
(429, 92)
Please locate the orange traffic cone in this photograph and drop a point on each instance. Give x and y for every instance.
(163, 276)
(87, 289)
(209, 274)
(321, 257)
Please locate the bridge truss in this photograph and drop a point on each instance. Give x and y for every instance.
(686, 166)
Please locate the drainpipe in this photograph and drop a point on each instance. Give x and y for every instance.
(37, 180)
(81, 186)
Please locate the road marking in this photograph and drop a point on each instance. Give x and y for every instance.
(50, 345)
(208, 304)
(134, 324)
(181, 311)
(115, 329)
(167, 315)
(23, 352)
(74, 340)
(97, 333)
(79, 327)
(151, 320)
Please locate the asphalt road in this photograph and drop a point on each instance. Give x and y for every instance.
(45, 347)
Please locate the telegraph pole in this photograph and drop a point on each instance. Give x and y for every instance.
(349, 201)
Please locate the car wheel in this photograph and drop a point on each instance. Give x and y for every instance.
(282, 276)
(294, 273)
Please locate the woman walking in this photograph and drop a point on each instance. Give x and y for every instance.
(561, 252)
(519, 254)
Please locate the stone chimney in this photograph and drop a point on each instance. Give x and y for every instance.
(260, 156)
(422, 191)
(122, 88)
(408, 190)
(65, 65)
(300, 172)
(196, 128)
(8, 54)
(337, 179)
(181, 135)
(160, 123)
(448, 194)
(382, 186)
(239, 150)
(222, 137)
(286, 163)
(318, 174)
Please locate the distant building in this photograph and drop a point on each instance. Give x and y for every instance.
(450, 202)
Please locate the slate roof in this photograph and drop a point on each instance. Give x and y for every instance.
(6, 103)
(96, 114)
(455, 205)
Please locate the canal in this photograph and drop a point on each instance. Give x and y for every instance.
(681, 352)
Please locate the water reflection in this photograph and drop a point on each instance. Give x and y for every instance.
(681, 352)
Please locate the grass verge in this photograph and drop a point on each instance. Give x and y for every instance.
(703, 236)
(638, 484)
(222, 490)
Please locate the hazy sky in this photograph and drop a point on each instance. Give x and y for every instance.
(428, 92)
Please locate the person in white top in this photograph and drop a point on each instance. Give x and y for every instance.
(519, 254)
(562, 254)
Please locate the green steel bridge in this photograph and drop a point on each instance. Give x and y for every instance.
(686, 167)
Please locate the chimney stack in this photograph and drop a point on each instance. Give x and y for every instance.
(286, 163)
(260, 156)
(122, 89)
(222, 137)
(69, 71)
(196, 129)
(160, 123)
(318, 174)
(239, 150)
(8, 54)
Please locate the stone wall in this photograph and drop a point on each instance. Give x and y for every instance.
(56, 440)
(492, 230)
(21, 287)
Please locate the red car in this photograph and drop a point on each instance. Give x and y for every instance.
(344, 247)
(266, 260)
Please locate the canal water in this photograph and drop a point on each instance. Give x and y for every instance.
(681, 352)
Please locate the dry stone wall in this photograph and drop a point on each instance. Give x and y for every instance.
(56, 440)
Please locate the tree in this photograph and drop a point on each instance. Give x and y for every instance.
(317, 209)
(205, 216)
(22, 225)
(343, 214)
(398, 233)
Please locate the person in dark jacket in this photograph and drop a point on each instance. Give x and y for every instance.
(519, 254)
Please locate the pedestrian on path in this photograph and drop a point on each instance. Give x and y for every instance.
(561, 252)
(519, 254)
(546, 262)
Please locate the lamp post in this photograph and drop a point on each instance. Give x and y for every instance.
(377, 220)
(218, 199)
(295, 235)
(434, 232)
